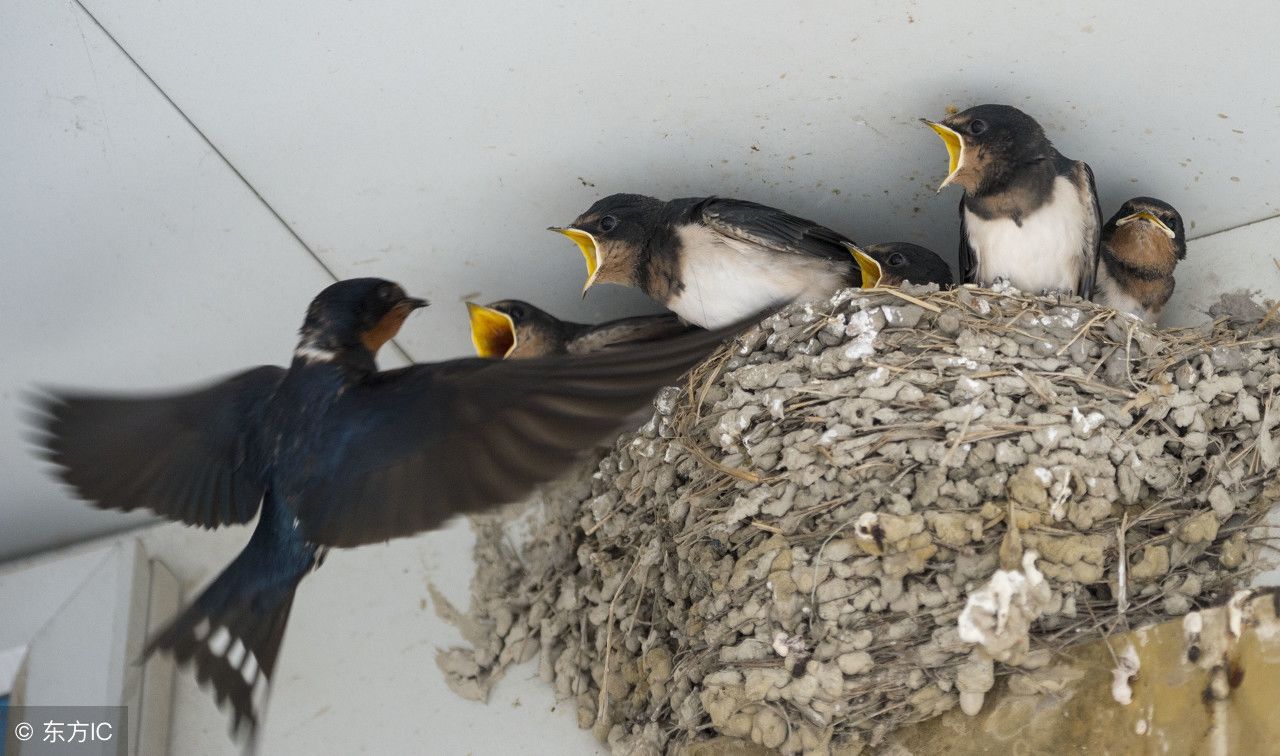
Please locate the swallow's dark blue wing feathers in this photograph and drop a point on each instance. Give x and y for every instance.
(1093, 234)
(967, 262)
(772, 228)
(626, 331)
(189, 457)
(419, 445)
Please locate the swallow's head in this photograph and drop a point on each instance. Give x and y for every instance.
(987, 144)
(1144, 220)
(612, 234)
(895, 263)
(359, 313)
(510, 328)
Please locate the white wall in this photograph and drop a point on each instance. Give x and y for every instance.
(357, 671)
(133, 256)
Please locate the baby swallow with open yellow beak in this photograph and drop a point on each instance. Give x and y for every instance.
(516, 330)
(1029, 215)
(896, 263)
(1141, 245)
(710, 260)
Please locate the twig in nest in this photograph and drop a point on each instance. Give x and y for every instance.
(1266, 320)
(1128, 355)
(602, 706)
(766, 527)
(1122, 583)
(1104, 315)
(908, 298)
(964, 428)
(591, 530)
(704, 458)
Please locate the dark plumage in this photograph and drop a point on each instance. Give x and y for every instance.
(1029, 215)
(332, 452)
(514, 329)
(896, 263)
(1141, 245)
(710, 260)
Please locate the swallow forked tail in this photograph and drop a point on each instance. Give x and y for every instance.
(231, 634)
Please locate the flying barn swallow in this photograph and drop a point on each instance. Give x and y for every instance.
(1141, 245)
(1028, 216)
(332, 452)
(517, 330)
(712, 261)
(896, 263)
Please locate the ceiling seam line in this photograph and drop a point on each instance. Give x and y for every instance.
(1234, 228)
(226, 161)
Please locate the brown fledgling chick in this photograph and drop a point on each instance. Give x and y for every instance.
(1141, 245)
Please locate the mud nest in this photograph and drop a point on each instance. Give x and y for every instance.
(863, 512)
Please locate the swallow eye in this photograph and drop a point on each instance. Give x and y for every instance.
(897, 260)
(385, 293)
(977, 126)
(516, 312)
(608, 223)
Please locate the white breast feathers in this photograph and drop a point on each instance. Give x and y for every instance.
(727, 279)
(1046, 253)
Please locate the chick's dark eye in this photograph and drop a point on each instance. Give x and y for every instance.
(608, 223)
(977, 126)
(897, 260)
(516, 312)
(384, 293)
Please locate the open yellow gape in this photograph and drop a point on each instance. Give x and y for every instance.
(493, 333)
(868, 266)
(590, 252)
(955, 149)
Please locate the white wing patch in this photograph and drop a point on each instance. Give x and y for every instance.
(310, 353)
(220, 641)
(1047, 252)
(728, 279)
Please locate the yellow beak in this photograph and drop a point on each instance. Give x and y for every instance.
(868, 266)
(493, 333)
(955, 149)
(590, 252)
(1144, 215)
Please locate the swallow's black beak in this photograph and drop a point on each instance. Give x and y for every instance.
(413, 303)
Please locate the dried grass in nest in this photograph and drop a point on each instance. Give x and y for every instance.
(718, 574)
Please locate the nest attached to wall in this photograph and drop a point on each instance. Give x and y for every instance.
(863, 512)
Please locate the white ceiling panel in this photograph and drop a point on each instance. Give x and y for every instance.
(434, 142)
(134, 257)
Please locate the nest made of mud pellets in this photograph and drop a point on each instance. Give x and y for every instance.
(862, 512)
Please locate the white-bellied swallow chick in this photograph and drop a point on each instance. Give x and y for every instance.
(1029, 215)
(710, 260)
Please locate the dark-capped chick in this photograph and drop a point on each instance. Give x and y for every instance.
(516, 330)
(896, 263)
(1029, 215)
(712, 261)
